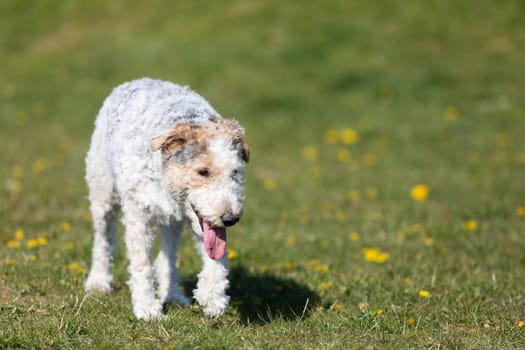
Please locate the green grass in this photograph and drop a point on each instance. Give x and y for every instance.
(394, 72)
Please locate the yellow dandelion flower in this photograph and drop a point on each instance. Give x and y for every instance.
(17, 171)
(424, 293)
(354, 236)
(428, 241)
(340, 216)
(349, 136)
(9, 262)
(39, 165)
(32, 243)
(521, 324)
(232, 254)
(343, 155)
(369, 160)
(269, 184)
(41, 240)
(375, 255)
(408, 280)
(371, 193)
(520, 211)
(363, 306)
(310, 153)
(75, 267)
(354, 195)
(322, 268)
(450, 113)
(313, 262)
(66, 226)
(19, 235)
(337, 307)
(470, 225)
(291, 240)
(72, 266)
(288, 265)
(69, 245)
(411, 321)
(320, 308)
(378, 312)
(31, 258)
(13, 244)
(331, 136)
(326, 285)
(420, 192)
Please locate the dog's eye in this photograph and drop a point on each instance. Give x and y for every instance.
(203, 172)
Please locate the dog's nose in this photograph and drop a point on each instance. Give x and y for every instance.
(230, 219)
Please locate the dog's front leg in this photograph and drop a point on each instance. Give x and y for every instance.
(166, 265)
(139, 239)
(212, 284)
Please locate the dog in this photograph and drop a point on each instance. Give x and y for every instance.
(161, 154)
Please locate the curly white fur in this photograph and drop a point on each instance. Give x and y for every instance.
(161, 153)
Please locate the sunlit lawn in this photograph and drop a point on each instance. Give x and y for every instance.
(385, 198)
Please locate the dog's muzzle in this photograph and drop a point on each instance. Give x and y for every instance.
(230, 219)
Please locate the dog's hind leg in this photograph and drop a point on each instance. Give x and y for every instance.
(166, 265)
(139, 238)
(104, 211)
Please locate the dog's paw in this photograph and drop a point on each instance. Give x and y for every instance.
(150, 311)
(215, 309)
(213, 306)
(98, 284)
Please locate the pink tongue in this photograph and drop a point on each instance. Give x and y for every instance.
(214, 240)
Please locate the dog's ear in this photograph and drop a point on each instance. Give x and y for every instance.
(238, 137)
(243, 147)
(172, 139)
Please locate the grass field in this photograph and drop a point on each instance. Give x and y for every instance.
(385, 197)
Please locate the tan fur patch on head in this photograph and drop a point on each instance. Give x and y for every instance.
(185, 132)
(234, 130)
(201, 171)
(174, 138)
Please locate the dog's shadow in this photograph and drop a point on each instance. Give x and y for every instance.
(262, 297)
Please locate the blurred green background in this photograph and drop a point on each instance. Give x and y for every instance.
(348, 107)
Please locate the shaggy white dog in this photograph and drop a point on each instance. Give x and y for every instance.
(161, 153)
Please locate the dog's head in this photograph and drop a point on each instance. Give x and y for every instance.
(204, 169)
